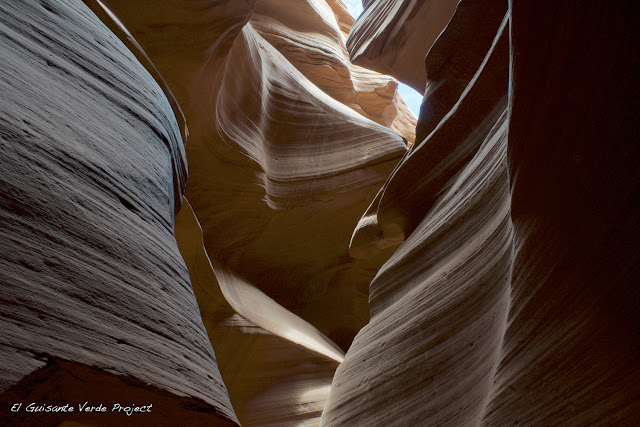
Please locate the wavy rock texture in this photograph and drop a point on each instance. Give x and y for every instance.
(439, 304)
(513, 297)
(281, 168)
(272, 381)
(95, 292)
(287, 159)
(572, 337)
(312, 35)
(272, 159)
(499, 258)
(286, 366)
(394, 36)
(450, 69)
(279, 375)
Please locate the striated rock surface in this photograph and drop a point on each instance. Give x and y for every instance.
(272, 159)
(484, 276)
(311, 36)
(454, 58)
(281, 167)
(512, 297)
(572, 337)
(439, 304)
(96, 300)
(394, 36)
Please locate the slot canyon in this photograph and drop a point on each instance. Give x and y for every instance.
(224, 212)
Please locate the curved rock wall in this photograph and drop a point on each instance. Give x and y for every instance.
(311, 36)
(277, 373)
(95, 294)
(394, 36)
(454, 58)
(273, 157)
(572, 336)
(488, 272)
(512, 297)
(439, 304)
(282, 164)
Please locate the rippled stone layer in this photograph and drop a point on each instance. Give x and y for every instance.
(439, 303)
(511, 298)
(288, 144)
(491, 280)
(394, 36)
(94, 289)
(312, 35)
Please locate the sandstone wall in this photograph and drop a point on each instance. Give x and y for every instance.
(484, 274)
(96, 300)
(283, 158)
(512, 298)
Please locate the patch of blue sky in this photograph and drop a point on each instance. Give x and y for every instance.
(354, 6)
(411, 97)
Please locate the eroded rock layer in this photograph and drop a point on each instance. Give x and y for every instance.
(312, 35)
(454, 58)
(570, 354)
(513, 297)
(275, 174)
(394, 36)
(439, 304)
(94, 290)
(492, 280)
(288, 144)
(278, 373)
(273, 158)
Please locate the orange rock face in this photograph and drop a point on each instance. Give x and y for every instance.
(283, 158)
(278, 372)
(312, 36)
